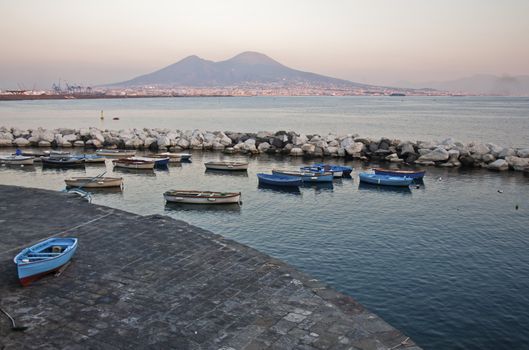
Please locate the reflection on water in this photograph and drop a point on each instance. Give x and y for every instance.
(377, 188)
(319, 186)
(18, 167)
(241, 173)
(279, 189)
(228, 208)
(139, 172)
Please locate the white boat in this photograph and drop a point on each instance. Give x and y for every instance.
(94, 182)
(133, 164)
(202, 197)
(17, 160)
(226, 165)
(115, 153)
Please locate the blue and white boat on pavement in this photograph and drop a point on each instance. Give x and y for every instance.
(385, 180)
(43, 258)
(279, 180)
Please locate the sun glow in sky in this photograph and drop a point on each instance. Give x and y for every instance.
(371, 41)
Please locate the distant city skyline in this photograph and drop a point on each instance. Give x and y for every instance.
(376, 42)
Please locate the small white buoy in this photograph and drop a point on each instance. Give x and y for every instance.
(500, 191)
(440, 178)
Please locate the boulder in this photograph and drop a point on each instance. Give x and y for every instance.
(467, 160)
(195, 143)
(162, 141)
(308, 148)
(478, 148)
(263, 147)
(296, 152)
(217, 146)
(321, 144)
(21, 142)
(506, 152)
(225, 140)
(373, 147)
(498, 165)
(150, 141)
(407, 148)
(263, 136)
(44, 144)
(437, 155)
(523, 153)
(355, 149)
(6, 136)
(334, 143)
(330, 138)
(182, 143)
(347, 142)
(78, 143)
(5, 143)
(516, 163)
(300, 140)
(331, 151)
(66, 144)
(318, 152)
(84, 132)
(494, 149)
(426, 144)
(488, 158)
(69, 137)
(94, 143)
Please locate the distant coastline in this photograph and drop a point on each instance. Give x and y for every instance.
(14, 97)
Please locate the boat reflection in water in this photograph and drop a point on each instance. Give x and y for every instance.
(319, 186)
(18, 167)
(215, 172)
(224, 208)
(279, 189)
(140, 172)
(389, 189)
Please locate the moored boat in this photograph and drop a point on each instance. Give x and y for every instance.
(279, 180)
(43, 258)
(90, 158)
(94, 182)
(159, 162)
(176, 157)
(346, 170)
(202, 197)
(17, 160)
(57, 154)
(64, 162)
(414, 174)
(385, 180)
(306, 176)
(321, 169)
(115, 153)
(231, 166)
(133, 164)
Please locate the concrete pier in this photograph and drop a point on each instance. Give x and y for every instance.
(154, 282)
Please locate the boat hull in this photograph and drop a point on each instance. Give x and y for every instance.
(205, 198)
(385, 180)
(89, 182)
(17, 160)
(62, 162)
(414, 174)
(128, 164)
(115, 153)
(279, 180)
(159, 162)
(306, 176)
(228, 166)
(32, 265)
(346, 170)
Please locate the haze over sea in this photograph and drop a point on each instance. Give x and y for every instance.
(500, 120)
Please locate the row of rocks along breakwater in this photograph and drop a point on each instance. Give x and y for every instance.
(446, 153)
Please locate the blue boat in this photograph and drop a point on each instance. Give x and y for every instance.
(386, 180)
(414, 174)
(43, 258)
(161, 162)
(346, 170)
(279, 180)
(306, 176)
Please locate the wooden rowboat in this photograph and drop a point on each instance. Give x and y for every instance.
(115, 153)
(43, 258)
(231, 166)
(63, 162)
(94, 182)
(414, 174)
(17, 160)
(133, 164)
(202, 197)
(279, 180)
(159, 162)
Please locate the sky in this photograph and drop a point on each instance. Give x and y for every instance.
(370, 41)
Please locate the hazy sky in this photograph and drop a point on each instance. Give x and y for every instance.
(372, 41)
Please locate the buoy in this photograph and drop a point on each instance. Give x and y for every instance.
(101, 115)
(500, 191)
(516, 207)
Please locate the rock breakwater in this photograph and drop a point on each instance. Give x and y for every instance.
(445, 153)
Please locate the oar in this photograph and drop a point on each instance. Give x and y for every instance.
(14, 327)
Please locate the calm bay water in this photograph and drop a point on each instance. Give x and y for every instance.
(500, 120)
(446, 263)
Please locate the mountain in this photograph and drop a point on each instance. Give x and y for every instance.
(247, 68)
(482, 84)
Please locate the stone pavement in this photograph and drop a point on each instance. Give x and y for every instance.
(139, 282)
